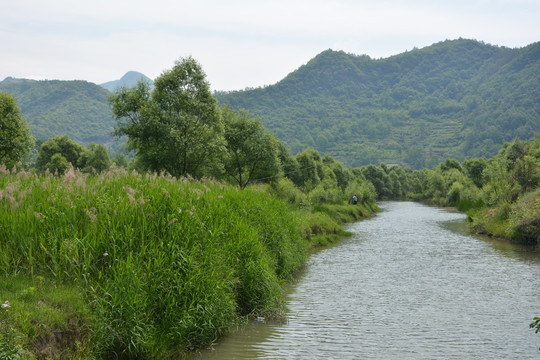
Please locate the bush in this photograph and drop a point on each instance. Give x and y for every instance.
(286, 190)
(525, 219)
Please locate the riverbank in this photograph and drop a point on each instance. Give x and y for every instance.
(410, 282)
(144, 266)
(517, 222)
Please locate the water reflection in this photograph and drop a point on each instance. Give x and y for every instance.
(507, 248)
(411, 283)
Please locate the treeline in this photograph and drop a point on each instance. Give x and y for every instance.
(501, 195)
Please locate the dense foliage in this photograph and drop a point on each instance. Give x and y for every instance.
(176, 127)
(251, 151)
(58, 153)
(165, 265)
(52, 108)
(455, 99)
(500, 194)
(15, 138)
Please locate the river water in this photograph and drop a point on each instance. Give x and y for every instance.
(411, 283)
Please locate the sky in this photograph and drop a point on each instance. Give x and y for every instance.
(239, 43)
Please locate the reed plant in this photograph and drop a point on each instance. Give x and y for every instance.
(165, 265)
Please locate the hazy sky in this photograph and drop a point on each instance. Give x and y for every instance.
(239, 43)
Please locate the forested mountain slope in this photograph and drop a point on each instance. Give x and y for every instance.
(459, 98)
(78, 109)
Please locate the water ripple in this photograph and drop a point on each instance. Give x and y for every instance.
(405, 286)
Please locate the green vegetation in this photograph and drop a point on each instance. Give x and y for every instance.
(161, 262)
(15, 139)
(454, 99)
(153, 266)
(501, 195)
(175, 127)
(144, 266)
(52, 108)
(56, 155)
(155, 263)
(251, 150)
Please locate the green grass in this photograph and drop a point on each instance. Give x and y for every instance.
(165, 265)
(42, 317)
(144, 266)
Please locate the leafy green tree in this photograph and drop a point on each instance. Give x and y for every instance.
(120, 160)
(342, 174)
(450, 164)
(289, 165)
(308, 161)
(58, 164)
(15, 138)
(436, 186)
(251, 150)
(474, 168)
(95, 158)
(380, 180)
(175, 127)
(63, 145)
(499, 187)
(515, 151)
(526, 173)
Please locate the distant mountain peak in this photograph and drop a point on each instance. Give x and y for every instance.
(129, 79)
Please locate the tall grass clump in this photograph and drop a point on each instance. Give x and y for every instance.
(165, 265)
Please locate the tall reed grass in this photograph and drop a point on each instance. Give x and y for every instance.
(165, 264)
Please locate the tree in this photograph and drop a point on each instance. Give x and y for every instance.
(380, 180)
(526, 173)
(120, 160)
(95, 158)
(251, 150)
(57, 163)
(474, 168)
(450, 164)
(308, 162)
(63, 145)
(15, 138)
(175, 127)
(288, 162)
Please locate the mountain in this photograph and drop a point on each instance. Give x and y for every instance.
(457, 98)
(130, 79)
(53, 107)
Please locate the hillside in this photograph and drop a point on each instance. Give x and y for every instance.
(53, 107)
(457, 98)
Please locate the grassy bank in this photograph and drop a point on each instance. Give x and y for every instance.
(518, 221)
(142, 266)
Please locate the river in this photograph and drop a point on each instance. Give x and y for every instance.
(411, 283)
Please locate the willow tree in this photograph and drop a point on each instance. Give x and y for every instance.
(251, 150)
(175, 127)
